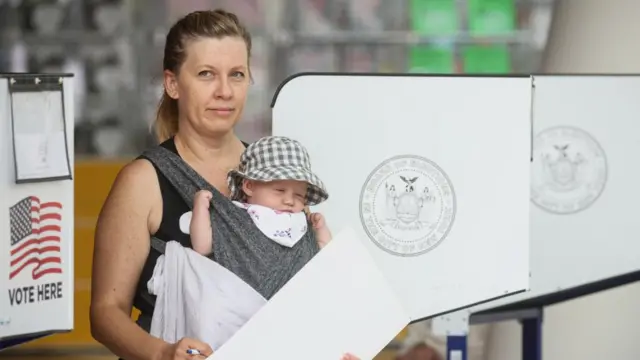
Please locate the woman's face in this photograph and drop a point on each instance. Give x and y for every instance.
(211, 86)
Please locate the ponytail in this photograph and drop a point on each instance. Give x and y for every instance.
(166, 125)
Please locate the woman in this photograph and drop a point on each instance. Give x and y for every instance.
(206, 78)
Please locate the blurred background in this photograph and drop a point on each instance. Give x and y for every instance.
(114, 48)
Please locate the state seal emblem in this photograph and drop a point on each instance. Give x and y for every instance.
(407, 205)
(569, 170)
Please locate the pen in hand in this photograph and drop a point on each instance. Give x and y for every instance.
(194, 352)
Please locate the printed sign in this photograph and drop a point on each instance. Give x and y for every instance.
(37, 247)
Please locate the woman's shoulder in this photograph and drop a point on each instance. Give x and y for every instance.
(139, 169)
(137, 175)
(135, 190)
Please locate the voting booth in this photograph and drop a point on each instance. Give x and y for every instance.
(36, 219)
(428, 180)
(584, 226)
(432, 171)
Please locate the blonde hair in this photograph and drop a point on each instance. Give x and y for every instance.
(210, 23)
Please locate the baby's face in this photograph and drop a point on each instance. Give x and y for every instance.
(282, 195)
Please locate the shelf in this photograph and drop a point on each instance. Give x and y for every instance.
(407, 38)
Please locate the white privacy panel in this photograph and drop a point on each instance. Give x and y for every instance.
(584, 221)
(432, 171)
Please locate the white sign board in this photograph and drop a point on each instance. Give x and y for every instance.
(431, 171)
(36, 219)
(584, 225)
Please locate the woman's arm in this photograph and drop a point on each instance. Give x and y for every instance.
(121, 247)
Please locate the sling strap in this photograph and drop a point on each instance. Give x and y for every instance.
(238, 244)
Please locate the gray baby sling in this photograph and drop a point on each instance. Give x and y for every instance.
(238, 244)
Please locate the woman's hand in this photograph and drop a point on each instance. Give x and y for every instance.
(178, 351)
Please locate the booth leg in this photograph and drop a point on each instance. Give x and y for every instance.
(456, 347)
(532, 338)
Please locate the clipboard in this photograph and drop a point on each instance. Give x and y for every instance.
(38, 124)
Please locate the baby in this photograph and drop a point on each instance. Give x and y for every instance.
(275, 184)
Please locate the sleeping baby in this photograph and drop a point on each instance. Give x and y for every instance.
(274, 184)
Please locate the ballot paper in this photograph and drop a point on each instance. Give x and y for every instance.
(339, 302)
(39, 138)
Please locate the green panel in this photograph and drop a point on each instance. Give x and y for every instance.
(491, 17)
(434, 17)
(486, 59)
(431, 60)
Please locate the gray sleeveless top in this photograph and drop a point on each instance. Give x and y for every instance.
(238, 244)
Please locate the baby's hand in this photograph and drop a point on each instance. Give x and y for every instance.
(202, 199)
(317, 220)
(323, 234)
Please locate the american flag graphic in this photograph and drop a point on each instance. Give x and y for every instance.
(35, 237)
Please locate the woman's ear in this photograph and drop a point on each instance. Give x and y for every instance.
(247, 187)
(171, 84)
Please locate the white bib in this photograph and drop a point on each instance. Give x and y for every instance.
(282, 227)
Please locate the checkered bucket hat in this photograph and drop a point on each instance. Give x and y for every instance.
(276, 158)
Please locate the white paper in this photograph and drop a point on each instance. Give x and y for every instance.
(339, 302)
(41, 156)
(39, 135)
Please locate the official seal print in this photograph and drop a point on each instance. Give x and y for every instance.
(407, 205)
(569, 170)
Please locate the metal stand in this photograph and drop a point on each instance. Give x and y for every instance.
(455, 326)
(531, 321)
(457, 347)
(532, 337)
(530, 312)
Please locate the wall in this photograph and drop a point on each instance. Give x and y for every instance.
(587, 36)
